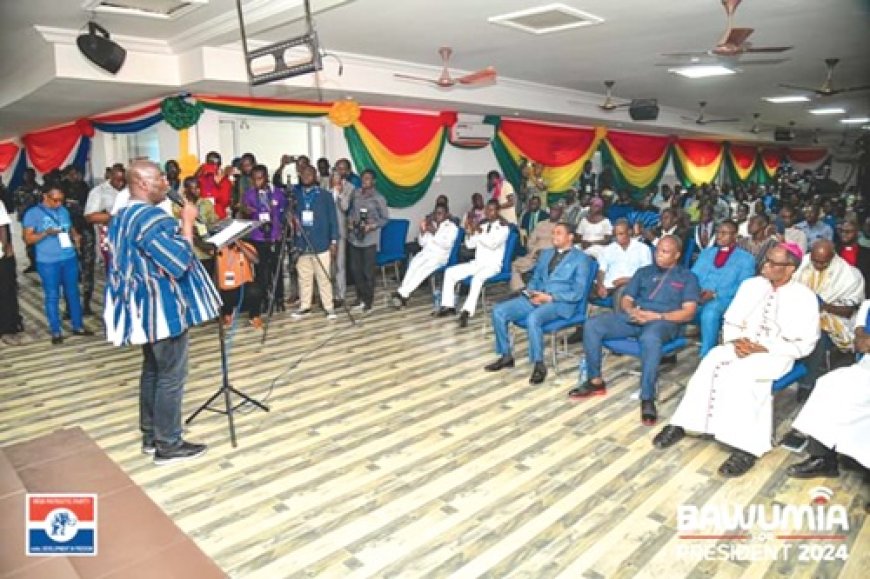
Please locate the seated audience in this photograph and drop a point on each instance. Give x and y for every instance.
(531, 217)
(437, 236)
(316, 239)
(760, 239)
(839, 290)
(657, 301)
(813, 227)
(836, 416)
(540, 239)
(554, 291)
(621, 207)
(704, 232)
(721, 207)
(742, 220)
(618, 263)
(790, 233)
(488, 241)
(720, 271)
(573, 209)
(48, 226)
(595, 231)
(476, 214)
(771, 323)
(854, 253)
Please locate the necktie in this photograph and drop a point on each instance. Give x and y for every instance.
(555, 260)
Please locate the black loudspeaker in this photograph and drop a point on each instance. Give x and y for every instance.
(782, 134)
(643, 110)
(100, 50)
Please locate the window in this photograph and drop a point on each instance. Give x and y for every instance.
(143, 145)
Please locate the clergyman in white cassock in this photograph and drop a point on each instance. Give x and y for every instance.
(434, 253)
(489, 243)
(730, 397)
(837, 413)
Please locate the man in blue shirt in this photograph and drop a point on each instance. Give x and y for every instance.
(554, 292)
(814, 228)
(720, 271)
(658, 299)
(317, 241)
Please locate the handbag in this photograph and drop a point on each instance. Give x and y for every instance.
(234, 267)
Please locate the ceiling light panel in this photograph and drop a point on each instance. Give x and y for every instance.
(781, 100)
(546, 19)
(702, 71)
(161, 9)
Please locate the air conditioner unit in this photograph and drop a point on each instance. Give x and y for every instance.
(464, 133)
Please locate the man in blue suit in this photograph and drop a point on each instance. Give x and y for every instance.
(720, 271)
(557, 286)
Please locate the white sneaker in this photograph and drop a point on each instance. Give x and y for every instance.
(330, 315)
(299, 314)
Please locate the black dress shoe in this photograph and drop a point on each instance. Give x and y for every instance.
(397, 301)
(539, 374)
(58, 339)
(576, 337)
(668, 436)
(648, 414)
(736, 465)
(586, 390)
(506, 361)
(339, 303)
(668, 360)
(814, 467)
(83, 332)
(443, 312)
(463, 319)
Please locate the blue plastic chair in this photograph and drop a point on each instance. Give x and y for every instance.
(646, 218)
(578, 318)
(454, 256)
(392, 248)
(504, 275)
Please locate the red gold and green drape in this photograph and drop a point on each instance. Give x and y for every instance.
(697, 162)
(403, 149)
(264, 107)
(741, 163)
(803, 158)
(561, 150)
(769, 160)
(638, 161)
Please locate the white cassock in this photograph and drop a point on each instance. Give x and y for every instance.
(837, 413)
(729, 397)
(435, 253)
(489, 246)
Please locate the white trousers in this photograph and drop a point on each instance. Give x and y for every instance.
(452, 275)
(419, 269)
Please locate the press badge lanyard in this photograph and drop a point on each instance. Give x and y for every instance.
(62, 237)
(307, 213)
(265, 211)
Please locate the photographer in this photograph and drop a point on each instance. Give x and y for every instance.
(267, 205)
(368, 213)
(316, 240)
(215, 184)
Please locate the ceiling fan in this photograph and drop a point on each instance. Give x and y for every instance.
(609, 104)
(734, 42)
(703, 120)
(827, 88)
(484, 76)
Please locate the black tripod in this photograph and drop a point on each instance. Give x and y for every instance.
(226, 388)
(296, 227)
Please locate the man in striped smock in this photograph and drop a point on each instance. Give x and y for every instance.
(156, 289)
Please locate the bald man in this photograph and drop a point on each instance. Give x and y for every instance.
(839, 289)
(156, 289)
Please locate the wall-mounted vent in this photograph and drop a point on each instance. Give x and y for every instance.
(162, 9)
(547, 19)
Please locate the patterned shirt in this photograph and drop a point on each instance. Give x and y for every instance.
(156, 288)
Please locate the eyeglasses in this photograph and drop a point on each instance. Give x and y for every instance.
(55, 198)
(770, 262)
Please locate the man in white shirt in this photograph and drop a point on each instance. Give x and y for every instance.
(504, 194)
(437, 236)
(100, 206)
(618, 262)
(772, 322)
(488, 241)
(791, 233)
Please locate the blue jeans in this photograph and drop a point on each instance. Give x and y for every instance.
(520, 308)
(709, 317)
(54, 275)
(161, 388)
(651, 336)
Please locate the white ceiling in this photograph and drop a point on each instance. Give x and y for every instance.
(624, 48)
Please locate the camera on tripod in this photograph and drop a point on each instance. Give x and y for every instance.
(360, 228)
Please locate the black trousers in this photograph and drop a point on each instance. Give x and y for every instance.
(362, 269)
(264, 271)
